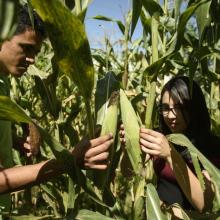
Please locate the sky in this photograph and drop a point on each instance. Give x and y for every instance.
(97, 30)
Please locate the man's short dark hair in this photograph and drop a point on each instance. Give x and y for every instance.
(24, 22)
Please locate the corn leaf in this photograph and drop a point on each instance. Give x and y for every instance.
(119, 23)
(30, 217)
(11, 111)
(139, 191)
(180, 139)
(89, 215)
(152, 7)
(153, 70)
(203, 18)
(198, 169)
(8, 9)
(153, 210)
(132, 129)
(70, 44)
(177, 206)
(136, 10)
(146, 22)
(138, 208)
(185, 16)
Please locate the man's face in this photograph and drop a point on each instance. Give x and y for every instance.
(19, 52)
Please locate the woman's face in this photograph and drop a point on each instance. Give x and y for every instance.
(172, 114)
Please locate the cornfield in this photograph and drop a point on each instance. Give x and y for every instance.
(72, 89)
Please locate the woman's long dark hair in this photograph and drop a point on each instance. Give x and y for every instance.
(193, 107)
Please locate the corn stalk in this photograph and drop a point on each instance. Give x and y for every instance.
(152, 94)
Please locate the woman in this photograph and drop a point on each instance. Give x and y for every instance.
(181, 111)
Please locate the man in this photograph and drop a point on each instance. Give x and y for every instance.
(16, 55)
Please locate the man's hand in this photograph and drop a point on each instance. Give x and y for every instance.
(93, 154)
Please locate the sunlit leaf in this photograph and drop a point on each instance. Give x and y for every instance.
(185, 16)
(203, 18)
(70, 44)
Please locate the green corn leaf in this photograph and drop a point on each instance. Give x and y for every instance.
(30, 217)
(146, 22)
(181, 140)
(184, 215)
(8, 9)
(55, 196)
(203, 19)
(90, 215)
(136, 10)
(11, 111)
(177, 9)
(132, 130)
(185, 16)
(153, 210)
(70, 44)
(153, 70)
(139, 191)
(138, 208)
(104, 18)
(198, 169)
(152, 7)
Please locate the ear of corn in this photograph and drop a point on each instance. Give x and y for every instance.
(132, 130)
(109, 125)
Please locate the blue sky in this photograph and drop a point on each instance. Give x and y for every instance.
(97, 30)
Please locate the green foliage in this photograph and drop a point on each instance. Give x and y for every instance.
(8, 10)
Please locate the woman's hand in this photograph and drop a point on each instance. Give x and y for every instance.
(154, 143)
